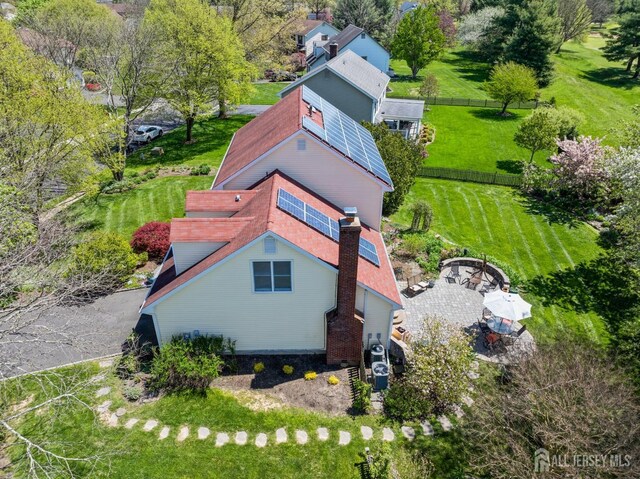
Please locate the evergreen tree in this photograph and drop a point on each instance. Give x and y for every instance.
(625, 43)
(376, 17)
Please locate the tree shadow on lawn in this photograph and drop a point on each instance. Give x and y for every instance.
(613, 77)
(493, 114)
(467, 65)
(510, 166)
(553, 214)
(603, 286)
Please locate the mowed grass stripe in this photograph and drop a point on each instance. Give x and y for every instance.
(483, 214)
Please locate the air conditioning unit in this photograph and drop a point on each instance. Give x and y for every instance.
(377, 353)
(380, 372)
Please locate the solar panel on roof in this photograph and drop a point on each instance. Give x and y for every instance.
(345, 135)
(321, 222)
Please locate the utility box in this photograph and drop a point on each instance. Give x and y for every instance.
(380, 372)
(377, 353)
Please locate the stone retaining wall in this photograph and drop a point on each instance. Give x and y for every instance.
(492, 269)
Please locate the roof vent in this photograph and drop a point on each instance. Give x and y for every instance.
(238, 197)
(350, 213)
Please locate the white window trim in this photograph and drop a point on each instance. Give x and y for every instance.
(271, 261)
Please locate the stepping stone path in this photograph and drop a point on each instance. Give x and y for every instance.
(408, 432)
(345, 438)
(105, 363)
(445, 423)
(367, 432)
(221, 439)
(323, 433)
(387, 434)
(164, 433)
(203, 433)
(131, 422)
(301, 437)
(113, 420)
(473, 375)
(281, 436)
(121, 412)
(467, 401)
(149, 425)
(103, 391)
(183, 434)
(104, 407)
(458, 411)
(241, 438)
(475, 365)
(97, 378)
(261, 440)
(427, 428)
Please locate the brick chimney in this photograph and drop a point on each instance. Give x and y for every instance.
(333, 50)
(344, 328)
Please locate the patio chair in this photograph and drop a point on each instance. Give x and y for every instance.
(520, 331)
(455, 272)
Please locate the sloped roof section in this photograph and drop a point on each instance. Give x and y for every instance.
(344, 37)
(227, 201)
(262, 215)
(303, 109)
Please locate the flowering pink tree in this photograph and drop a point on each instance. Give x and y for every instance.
(580, 168)
(447, 26)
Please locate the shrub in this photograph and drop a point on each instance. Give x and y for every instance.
(114, 187)
(362, 396)
(187, 364)
(103, 262)
(401, 401)
(258, 367)
(132, 393)
(288, 370)
(152, 238)
(310, 375)
(127, 365)
(333, 380)
(200, 170)
(414, 244)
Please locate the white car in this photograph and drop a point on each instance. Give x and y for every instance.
(146, 133)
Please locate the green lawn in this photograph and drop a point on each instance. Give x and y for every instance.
(533, 240)
(212, 137)
(136, 454)
(156, 200)
(266, 93)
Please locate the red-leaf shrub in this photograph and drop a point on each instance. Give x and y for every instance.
(152, 238)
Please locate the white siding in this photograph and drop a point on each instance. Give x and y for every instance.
(186, 255)
(222, 301)
(323, 172)
(209, 214)
(377, 314)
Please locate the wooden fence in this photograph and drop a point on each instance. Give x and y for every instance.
(450, 101)
(503, 179)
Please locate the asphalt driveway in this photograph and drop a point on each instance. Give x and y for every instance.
(70, 334)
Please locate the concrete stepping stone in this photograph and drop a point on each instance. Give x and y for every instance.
(281, 436)
(106, 363)
(323, 433)
(131, 422)
(387, 434)
(149, 425)
(113, 420)
(475, 365)
(203, 433)
(427, 428)
(221, 439)
(164, 433)
(183, 434)
(445, 423)
(457, 410)
(241, 438)
(467, 400)
(261, 440)
(408, 432)
(301, 437)
(121, 412)
(473, 375)
(97, 378)
(104, 407)
(367, 432)
(345, 438)
(103, 391)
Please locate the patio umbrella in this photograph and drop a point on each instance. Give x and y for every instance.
(507, 305)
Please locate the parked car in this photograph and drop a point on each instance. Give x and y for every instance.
(146, 133)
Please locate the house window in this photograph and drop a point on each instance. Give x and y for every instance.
(270, 276)
(269, 245)
(324, 38)
(362, 35)
(300, 39)
(302, 145)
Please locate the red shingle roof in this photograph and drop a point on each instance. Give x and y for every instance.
(215, 230)
(217, 200)
(264, 216)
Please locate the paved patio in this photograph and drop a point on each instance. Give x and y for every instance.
(461, 306)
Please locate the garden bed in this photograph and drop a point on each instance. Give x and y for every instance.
(272, 387)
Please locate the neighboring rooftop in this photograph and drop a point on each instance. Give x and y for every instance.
(401, 109)
(303, 110)
(355, 70)
(261, 214)
(344, 37)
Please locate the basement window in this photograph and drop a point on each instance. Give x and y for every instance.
(272, 276)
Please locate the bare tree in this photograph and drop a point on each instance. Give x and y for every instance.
(601, 10)
(567, 399)
(575, 19)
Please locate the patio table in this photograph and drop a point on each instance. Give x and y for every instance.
(501, 325)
